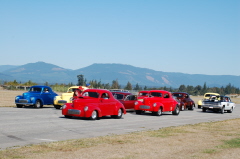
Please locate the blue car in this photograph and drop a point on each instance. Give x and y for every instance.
(36, 96)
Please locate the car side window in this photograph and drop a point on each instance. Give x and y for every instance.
(166, 95)
(105, 96)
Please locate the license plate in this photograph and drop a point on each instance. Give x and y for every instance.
(144, 107)
(211, 107)
(62, 101)
(73, 111)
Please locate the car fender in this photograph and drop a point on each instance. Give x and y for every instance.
(159, 105)
(136, 106)
(56, 99)
(88, 113)
(18, 97)
(34, 99)
(200, 102)
(119, 107)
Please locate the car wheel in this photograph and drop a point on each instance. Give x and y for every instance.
(191, 107)
(19, 105)
(159, 112)
(120, 113)
(222, 110)
(38, 104)
(138, 112)
(94, 115)
(176, 111)
(204, 109)
(199, 106)
(67, 116)
(57, 106)
(182, 108)
(231, 110)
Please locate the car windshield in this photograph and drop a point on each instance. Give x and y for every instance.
(143, 94)
(178, 95)
(72, 90)
(156, 94)
(35, 89)
(118, 96)
(91, 94)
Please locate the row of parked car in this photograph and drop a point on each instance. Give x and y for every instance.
(95, 103)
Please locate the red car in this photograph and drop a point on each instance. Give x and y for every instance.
(184, 98)
(158, 101)
(93, 104)
(126, 98)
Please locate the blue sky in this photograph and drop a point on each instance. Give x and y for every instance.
(188, 36)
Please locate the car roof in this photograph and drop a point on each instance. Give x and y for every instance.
(124, 93)
(162, 91)
(180, 92)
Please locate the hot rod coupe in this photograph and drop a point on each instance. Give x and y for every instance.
(93, 104)
(37, 96)
(157, 102)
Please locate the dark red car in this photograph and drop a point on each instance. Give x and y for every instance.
(158, 101)
(93, 104)
(184, 98)
(126, 98)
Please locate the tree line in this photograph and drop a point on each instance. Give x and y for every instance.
(192, 90)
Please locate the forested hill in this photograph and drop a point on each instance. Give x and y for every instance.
(41, 72)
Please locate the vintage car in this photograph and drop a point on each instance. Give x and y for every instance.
(126, 98)
(37, 96)
(218, 104)
(206, 96)
(93, 104)
(67, 97)
(186, 101)
(158, 101)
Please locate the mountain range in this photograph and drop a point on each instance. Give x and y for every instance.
(41, 72)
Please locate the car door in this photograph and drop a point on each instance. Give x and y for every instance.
(46, 95)
(167, 102)
(106, 104)
(129, 101)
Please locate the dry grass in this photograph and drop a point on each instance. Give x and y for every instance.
(215, 140)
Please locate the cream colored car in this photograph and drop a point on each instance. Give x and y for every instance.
(59, 101)
(206, 96)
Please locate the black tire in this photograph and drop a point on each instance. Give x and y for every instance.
(159, 112)
(231, 110)
(222, 110)
(191, 107)
(38, 104)
(138, 111)
(204, 109)
(199, 106)
(19, 105)
(67, 116)
(57, 106)
(176, 111)
(94, 115)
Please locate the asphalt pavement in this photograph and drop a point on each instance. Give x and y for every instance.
(23, 126)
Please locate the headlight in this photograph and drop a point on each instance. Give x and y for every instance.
(64, 106)
(136, 103)
(154, 104)
(85, 108)
(16, 98)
